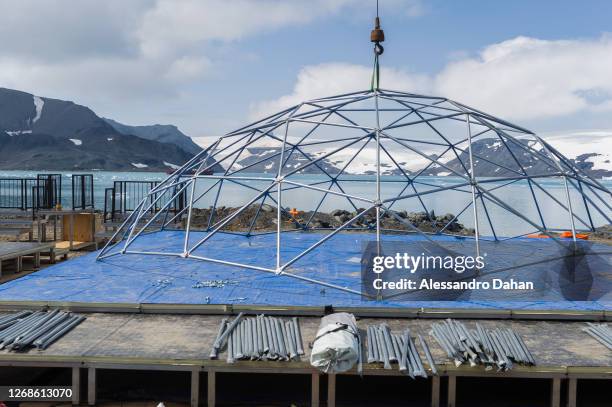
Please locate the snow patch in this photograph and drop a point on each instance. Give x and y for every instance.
(443, 173)
(18, 132)
(38, 104)
(139, 165)
(109, 139)
(173, 166)
(76, 141)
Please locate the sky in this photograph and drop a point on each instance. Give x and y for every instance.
(212, 66)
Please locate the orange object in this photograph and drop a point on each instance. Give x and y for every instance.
(538, 236)
(294, 212)
(568, 234)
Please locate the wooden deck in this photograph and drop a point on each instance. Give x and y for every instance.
(18, 250)
(135, 341)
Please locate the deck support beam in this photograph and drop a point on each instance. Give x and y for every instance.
(211, 387)
(195, 387)
(314, 390)
(76, 386)
(331, 390)
(555, 395)
(572, 391)
(452, 391)
(91, 386)
(435, 391)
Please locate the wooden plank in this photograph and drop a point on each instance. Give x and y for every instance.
(435, 391)
(195, 387)
(452, 391)
(12, 250)
(331, 390)
(76, 245)
(555, 392)
(76, 386)
(211, 389)
(572, 390)
(91, 386)
(315, 395)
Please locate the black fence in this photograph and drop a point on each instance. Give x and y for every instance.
(125, 196)
(48, 191)
(82, 191)
(17, 193)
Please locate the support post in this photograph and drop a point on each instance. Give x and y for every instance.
(91, 386)
(331, 390)
(76, 386)
(555, 393)
(452, 391)
(211, 395)
(314, 390)
(572, 391)
(195, 387)
(473, 186)
(435, 391)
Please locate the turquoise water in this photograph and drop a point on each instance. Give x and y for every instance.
(517, 195)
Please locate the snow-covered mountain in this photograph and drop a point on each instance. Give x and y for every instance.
(41, 133)
(492, 159)
(164, 133)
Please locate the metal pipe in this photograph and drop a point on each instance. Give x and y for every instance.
(271, 338)
(291, 339)
(388, 344)
(31, 335)
(230, 348)
(384, 348)
(215, 350)
(428, 356)
(298, 336)
(76, 319)
(264, 334)
(221, 338)
(285, 338)
(237, 342)
(396, 348)
(370, 343)
(279, 337)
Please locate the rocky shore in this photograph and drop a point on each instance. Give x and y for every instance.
(266, 219)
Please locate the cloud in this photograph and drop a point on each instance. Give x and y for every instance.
(170, 24)
(337, 78)
(519, 79)
(526, 78)
(96, 52)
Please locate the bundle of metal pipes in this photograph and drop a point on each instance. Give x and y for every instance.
(259, 338)
(489, 347)
(26, 329)
(601, 332)
(386, 348)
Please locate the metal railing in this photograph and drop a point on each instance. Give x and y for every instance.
(125, 196)
(48, 191)
(82, 191)
(16, 193)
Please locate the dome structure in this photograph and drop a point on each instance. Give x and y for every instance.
(368, 163)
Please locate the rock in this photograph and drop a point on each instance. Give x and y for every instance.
(267, 208)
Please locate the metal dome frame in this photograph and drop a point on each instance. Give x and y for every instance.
(333, 113)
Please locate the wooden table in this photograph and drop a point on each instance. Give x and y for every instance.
(78, 227)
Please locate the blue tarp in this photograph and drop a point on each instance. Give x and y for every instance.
(139, 278)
